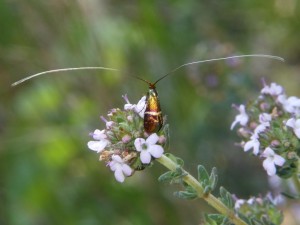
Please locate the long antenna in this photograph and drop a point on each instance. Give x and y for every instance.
(61, 70)
(218, 59)
(150, 84)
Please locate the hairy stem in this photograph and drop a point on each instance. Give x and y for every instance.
(209, 198)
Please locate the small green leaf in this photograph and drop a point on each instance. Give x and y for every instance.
(207, 190)
(286, 171)
(186, 195)
(226, 197)
(173, 176)
(217, 219)
(208, 220)
(265, 220)
(290, 196)
(213, 178)
(223, 192)
(244, 218)
(175, 159)
(202, 174)
(166, 177)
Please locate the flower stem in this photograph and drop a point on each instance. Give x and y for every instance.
(209, 198)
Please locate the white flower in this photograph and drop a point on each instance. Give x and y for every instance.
(274, 89)
(242, 118)
(128, 105)
(238, 203)
(276, 200)
(291, 104)
(141, 107)
(108, 124)
(250, 201)
(265, 118)
(253, 143)
(148, 148)
(295, 124)
(271, 160)
(120, 168)
(112, 112)
(261, 128)
(101, 142)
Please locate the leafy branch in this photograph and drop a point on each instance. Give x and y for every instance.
(200, 188)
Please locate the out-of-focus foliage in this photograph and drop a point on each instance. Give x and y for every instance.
(47, 174)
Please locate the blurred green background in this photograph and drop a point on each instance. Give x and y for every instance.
(47, 173)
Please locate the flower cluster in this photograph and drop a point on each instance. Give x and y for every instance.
(123, 144)
(270, 127)
(260, 209)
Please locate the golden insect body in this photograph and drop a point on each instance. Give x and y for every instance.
(153, 119)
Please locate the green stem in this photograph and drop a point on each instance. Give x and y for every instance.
(209, 198)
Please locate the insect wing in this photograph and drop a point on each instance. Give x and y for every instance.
(153, 119)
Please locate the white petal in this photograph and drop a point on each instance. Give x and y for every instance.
(119, 175)
(233, 124)
(156, 151)
(115, 166)
(142, 112)
(265, 117)
(253, 143)
(269, 166)
(297, 132)
(279, 160)
(265, 90)
(294, 101)
(291, 123)
(251, 201)
(297, 123)
(99, 134)
(239, 203)
(141, 107)
(268, 152)
(152, 139)
(117, 159)
(97, 146)
(256, 147)
(145, 157)
(112, 166)
(109, 124)
(248, 145)
(138, 143)
(141, 104)
(129, 106)
(243, 119)
(261, 128)
(273, 89)
(126, 170)
(281, 99)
